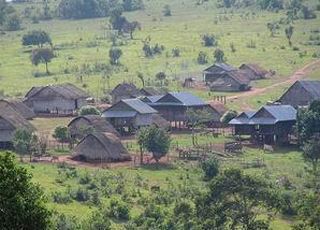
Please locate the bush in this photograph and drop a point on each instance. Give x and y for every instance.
(175, 52)
(61, 198)
(89, 110)
(211, 168)
(81, 195)
(202, 58)
(119, 210)
(167, 11)
(13, 23)
(209, 40)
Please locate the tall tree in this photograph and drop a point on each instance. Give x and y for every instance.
(161, 76)
(36, 38)
(272, 28)
(311, 153)
(130, 27)
(141, 77)
(235, 201)
(155, 140)
(22, 203)
(197, 119)
(289, 33)
(3, 7)
(42, 55)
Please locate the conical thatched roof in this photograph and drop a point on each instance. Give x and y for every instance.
(100, 147)
(98, 123)
(17, 106)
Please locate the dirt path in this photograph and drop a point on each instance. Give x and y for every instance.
(299, 74)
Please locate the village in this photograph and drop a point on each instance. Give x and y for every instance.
(101, 134)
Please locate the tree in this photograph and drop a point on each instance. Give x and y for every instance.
(61, 134)
(3, 11)
(235, 201)
(117, 20)
(197, 119)
(141, 77)
(42, 55)
(311, 153)
(22, 202)
(130, 27)
(155, 140)
(202, 58)
(272, 28)
(167, 11)
(308, 122)
(209, 40)
(161, 76)
(24, 142)
(228, 116)
(36, 38)
(218, 55)
(289, 32)
(98, 221)
(115, 54)
(89, 110)
(308, 207)
(211, 168)
(13, 22)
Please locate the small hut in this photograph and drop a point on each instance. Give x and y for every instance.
(18, 107)
(233, 81)
(100, 148)
(125, 91)
(215, 71)
(95, 122)
(255, 72)
(10, 121)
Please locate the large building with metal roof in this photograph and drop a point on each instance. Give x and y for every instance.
(271, 124)
(129, 115)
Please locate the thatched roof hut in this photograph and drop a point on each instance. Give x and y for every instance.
(100, 147)
(18, 107)
(254, 71)
(10, 121)
(96, 122)
(125, 91)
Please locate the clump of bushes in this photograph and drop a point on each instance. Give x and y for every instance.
(209, 40)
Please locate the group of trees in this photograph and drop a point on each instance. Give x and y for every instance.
(78, 9)
(9, 19)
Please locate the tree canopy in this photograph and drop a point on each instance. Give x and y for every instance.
(42, 55)
(155, 140)
(22, 202)
(36, 38)
(89, 110)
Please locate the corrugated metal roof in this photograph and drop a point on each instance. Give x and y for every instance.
(279, 113)
(119, 114)
(139, 106)
(152, 99)
(184, 98)
(313, 87)
(243, 118)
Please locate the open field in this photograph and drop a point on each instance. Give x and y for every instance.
(80, 42)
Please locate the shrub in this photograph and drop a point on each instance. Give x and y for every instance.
(167, 11)
(119, 210)
(13, 23)
(81, 195)
(175, 52)
(89, 110)
(209, 40)
(202, 58)
(211, 168)
(61, 198)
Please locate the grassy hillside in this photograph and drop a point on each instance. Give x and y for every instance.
(85, 42)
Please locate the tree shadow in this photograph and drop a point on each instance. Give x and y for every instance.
(158, 167)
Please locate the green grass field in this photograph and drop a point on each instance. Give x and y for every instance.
(82, 42)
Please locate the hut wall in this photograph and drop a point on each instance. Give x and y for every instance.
(296, 96)
(6, 135)
(91, 150)
(225, 84)
(250, 73)
(55, 105)
(244, 129)
(144, 120)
